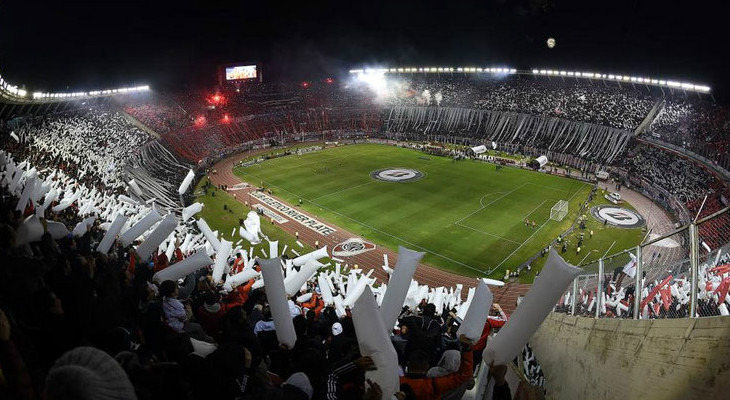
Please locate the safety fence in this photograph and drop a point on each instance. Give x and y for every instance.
(681, 274)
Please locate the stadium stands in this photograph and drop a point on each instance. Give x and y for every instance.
(96, 143)
(585, 101)
(695, 124)
(58, 293)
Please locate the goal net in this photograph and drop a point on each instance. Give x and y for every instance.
(559, 210)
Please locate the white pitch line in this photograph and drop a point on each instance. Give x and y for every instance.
(487, 233)
(491, 202)
(343, 190)
(529, 238)
(481, 271)
(488, 194)
(534, 209)
(549, 187)
(519, 247)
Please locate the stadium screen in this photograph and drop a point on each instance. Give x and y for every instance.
(241, 72)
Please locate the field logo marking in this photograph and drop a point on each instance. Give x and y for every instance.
(398, 175)
(352, 247)
(276, 217)
(617, 216)
(297, 216)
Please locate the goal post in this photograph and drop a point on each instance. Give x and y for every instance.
(559, 210)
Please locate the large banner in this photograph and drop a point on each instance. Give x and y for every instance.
(297, 216)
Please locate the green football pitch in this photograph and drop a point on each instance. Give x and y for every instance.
(467, 215)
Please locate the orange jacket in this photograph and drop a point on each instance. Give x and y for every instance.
(432, 388)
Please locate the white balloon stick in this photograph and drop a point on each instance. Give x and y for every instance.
(162, 231)
(532, 311)
(274, 249)
(139, 228)
(212, 238)
(276, 295)
(473, 324)
(221, 260)
(398, 285)
(111, 234)
(374, 342)
(183, 268)
(186, 182)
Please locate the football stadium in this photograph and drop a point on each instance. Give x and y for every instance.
(332, 219)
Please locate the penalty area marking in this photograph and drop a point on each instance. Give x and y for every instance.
(490, 203)
(486, 233)
(529, 238)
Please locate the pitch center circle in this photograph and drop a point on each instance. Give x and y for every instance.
(398, 175)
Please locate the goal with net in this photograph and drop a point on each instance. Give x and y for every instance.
(559, 210)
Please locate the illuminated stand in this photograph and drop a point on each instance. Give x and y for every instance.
(534, 72)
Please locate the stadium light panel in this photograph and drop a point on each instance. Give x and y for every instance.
(534, 71)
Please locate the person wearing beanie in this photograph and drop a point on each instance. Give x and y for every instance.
(87, 373)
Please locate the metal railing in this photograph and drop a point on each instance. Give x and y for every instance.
(685, 273)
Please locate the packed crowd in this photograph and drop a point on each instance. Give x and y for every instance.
(94, 143)
(200, 124)
(695, 124)
(665, 292)
(85, 316)
(579, 100)
(684, 179)
(159, 113)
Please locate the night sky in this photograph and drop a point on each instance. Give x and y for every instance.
(86, 45)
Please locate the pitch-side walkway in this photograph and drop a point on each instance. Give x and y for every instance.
(657, 219)
(506, 296)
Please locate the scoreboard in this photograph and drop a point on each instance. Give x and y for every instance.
(238, 73)
(241, 72)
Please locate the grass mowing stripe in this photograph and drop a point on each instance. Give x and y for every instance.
(422, 214)
(487, 233)
(490, 203)
(343, 190)
(383, 232)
